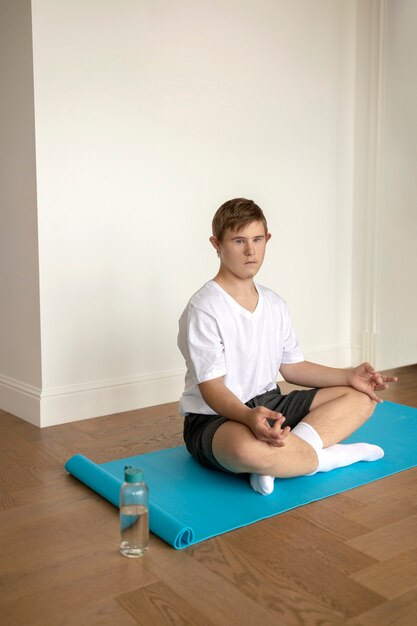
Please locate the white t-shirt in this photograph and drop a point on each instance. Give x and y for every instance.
(218, 337)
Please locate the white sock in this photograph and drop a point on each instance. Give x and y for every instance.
(338, 455)
(308, 434)
(265, 484)
(262, 484)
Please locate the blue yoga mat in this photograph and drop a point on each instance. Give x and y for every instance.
(189, 503)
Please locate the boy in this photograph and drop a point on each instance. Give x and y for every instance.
(235, 336)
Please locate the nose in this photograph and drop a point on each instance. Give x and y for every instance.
(250, 250)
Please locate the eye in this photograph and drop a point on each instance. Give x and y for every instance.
(240, 241)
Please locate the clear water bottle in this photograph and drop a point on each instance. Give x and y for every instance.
(134, 514)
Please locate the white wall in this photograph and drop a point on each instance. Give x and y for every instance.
(384, 300)
(20, 356)
(148, 116)
(397, 253)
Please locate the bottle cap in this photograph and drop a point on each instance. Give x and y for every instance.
(133, 475)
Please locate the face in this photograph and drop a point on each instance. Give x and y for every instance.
(242, 252)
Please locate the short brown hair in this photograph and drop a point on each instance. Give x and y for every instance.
(236, 214)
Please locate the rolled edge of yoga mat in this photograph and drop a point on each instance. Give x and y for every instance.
(161, 523)
(170, 528)
(95, 477)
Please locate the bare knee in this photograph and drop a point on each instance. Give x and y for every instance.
(295, 458)
(245, 456)
(234, 447)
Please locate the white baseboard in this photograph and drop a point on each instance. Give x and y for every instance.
(20, 399)
(70, 404)
(60, 405)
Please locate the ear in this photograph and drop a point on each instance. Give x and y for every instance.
(268, 236)
(215, 243)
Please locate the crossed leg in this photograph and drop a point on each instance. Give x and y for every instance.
(336, 412)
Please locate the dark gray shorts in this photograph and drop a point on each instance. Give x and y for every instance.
(199, 429)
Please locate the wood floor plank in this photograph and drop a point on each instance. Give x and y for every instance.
(87, 562)
(54, 536)
(28, 456)
(32, 507)
(384, 489)
(50, 611)
(388, 541)
(55, 487)
(124, 436)
(17, 424)
(102, 612)
(111, 451)
(393, 577)
(295, 531)
(401, 611)
(195, 584)
(158, 604)
(6, 500)
(332, 520)
(402, 500)
(153, 416)
(346, 560)
(71, 598)
(267, 586)
(343, 503)
(313, 566)
(13, 476)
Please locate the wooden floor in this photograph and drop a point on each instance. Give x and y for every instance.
(350, 559)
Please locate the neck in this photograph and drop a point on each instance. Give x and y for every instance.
(241, 290)
(235, 285)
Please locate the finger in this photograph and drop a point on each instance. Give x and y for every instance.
(276, 424)
(375, 398)
(377, 378)
(381, 387)
(285, 431)
(277, 443)
(280, 439)
(277, 417)
(268, 432)
(275, 436)
(390, 379)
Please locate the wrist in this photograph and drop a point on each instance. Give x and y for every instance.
(243, 415)
(349, 372)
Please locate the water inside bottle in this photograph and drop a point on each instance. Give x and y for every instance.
(134, 530)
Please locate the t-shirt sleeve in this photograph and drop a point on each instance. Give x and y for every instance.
(206, 358)
(292, 352)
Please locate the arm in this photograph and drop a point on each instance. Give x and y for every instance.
(362, 378)
(224, 402)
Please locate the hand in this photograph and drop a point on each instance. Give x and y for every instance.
(364, 378)
(259, 420)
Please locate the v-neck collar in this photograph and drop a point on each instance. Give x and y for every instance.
(239, 308)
